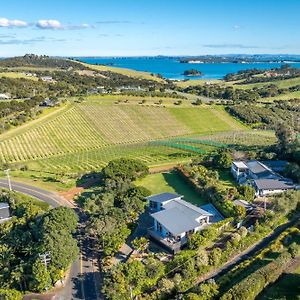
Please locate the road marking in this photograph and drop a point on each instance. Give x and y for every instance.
(81, 269)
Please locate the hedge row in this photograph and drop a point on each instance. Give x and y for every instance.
(250, 287)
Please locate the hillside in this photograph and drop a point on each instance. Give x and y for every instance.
(123, 71)
(42, 61)
(91, 127)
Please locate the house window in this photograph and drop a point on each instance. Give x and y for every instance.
(159, 227)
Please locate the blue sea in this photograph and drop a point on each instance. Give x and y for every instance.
(171, 68)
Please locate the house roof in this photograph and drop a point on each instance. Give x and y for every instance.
(260, 170)
(275, 164)
(240, 164)
(274, 184)
(163, 197)
(4, 205)
(4, 210)
(179, 216)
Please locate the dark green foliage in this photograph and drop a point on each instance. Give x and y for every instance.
(247, 192)
(117, 204)
(8, 294)
(252, 285)
(61, 218)
(29, 233)
(125, 169)
(223, 159)
(265, 117)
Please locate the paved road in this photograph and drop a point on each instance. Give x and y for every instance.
(51, 198)
(81, 281)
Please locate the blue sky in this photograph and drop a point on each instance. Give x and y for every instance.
(148, 27)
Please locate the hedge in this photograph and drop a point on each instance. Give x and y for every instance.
(250, 287)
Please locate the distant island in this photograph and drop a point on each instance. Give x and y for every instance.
(193, 72)
(242, 59)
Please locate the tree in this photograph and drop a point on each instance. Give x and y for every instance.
(140, 244)
(60, 218)
(8, 294)
(247, 192)
(198, 101)
(125, 169)
(292, 171)
(223, 159)
(285, 135)
(215, 256)
(41, 277)
(166, 285)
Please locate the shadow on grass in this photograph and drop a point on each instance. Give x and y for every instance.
(89, 180)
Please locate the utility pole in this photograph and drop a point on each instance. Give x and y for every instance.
(45, 259)
(8, 179)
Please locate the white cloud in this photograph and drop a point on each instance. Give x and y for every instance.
(49, 24)
(12, 23)
(56, 25)
(236, 27)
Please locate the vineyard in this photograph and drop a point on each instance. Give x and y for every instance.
(86, 136)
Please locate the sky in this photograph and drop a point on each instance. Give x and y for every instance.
(148, 27)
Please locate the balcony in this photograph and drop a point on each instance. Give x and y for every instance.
(170, 243)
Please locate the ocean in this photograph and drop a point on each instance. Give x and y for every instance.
(171, 68)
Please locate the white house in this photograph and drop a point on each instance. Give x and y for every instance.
(267, 187)
(174, 219)
(4, 212)
(262, 176)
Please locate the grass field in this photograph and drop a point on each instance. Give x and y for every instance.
(22, 198)
(171, 182)
(280, 83)
(17, 75)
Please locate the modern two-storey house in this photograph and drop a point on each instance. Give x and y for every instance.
(262, 176)
(174, 219)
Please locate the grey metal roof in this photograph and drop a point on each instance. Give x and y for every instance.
(187, 208)
(163, 197)
(4, 210)
(179, 216)
(274, 184)
(275, 165)
(175, 221)
(260, 170)
(4, 205)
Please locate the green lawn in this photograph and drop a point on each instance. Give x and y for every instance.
(173, 183)
(287, 288)
(226, 179)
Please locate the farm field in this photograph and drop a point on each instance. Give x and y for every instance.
(85, 129)
(17, 75)
(280, 83)
(171, 182)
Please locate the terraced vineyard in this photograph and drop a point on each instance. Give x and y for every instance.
(88, 135)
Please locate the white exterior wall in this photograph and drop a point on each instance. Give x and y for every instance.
(270, 192)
